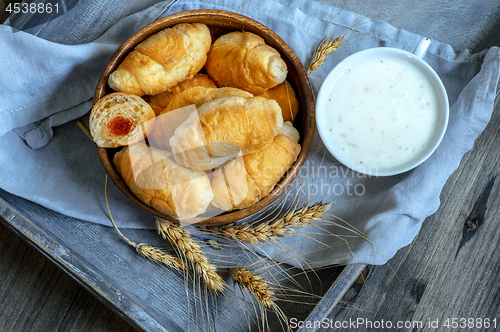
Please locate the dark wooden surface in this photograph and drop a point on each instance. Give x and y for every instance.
(3, 6)
(451, 270)
(36, 295)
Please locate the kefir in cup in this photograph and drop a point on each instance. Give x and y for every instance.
(382, 111)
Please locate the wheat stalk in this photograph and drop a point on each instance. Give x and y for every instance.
(264, 232)
(255, 284)
(327, 47)
(159, 256)
(145, 250)
(180, 239)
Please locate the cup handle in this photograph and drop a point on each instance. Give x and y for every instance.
(422, 47)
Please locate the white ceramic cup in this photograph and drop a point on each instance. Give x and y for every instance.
(415, 61)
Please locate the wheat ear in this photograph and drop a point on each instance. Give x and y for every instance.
(145, 250)
(264, 232)
(255, 284)
(181, 239)
(327, 47)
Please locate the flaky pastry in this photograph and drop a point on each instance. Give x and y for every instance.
(158, 181)
(163, 60)
(168, 120)
(119, 119)
(244, 181)
(243, 60)
(285, 96)
(161, 101)
(224, 127)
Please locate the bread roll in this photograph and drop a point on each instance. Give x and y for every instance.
(159, 102)
(224, 127)
(200, 95)
(163, 60)
(244, 181)
(285, 96)
(233, 187)
(119, 119)
(158, 181)
(243, 60)
(168, 121)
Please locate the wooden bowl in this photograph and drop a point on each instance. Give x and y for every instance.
(220, 22)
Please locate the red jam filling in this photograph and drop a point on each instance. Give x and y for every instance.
(120, 126)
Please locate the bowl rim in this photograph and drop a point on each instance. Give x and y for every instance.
(308, 106)
(337, 71)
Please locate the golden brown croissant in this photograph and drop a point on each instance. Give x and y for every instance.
(119, 119)
(159, 102)
(285, 96)
(224, 127)
(244, 181)
(243, 60)
(166, 124)
(233, 187)
(163, 60)
(200, 95)
(157, 180)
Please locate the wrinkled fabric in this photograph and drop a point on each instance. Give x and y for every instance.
(48, 160)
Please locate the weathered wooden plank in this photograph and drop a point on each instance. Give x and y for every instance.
(436, 274)
(452, 268)
(36, 295)
(332, 298)
(475, 23)
(3, 6)
(139, 289)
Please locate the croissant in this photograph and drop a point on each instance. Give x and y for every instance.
(200, 95)
(233, 187)
(159, 102)
(168, 121)
(119, 119)
(163, 60)
(244, 181)
(223, 127)
(285, 96)
(243, 60)
(158, 181)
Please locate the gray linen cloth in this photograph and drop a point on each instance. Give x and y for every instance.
(48, 160)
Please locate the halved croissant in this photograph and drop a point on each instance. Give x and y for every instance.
(243, 60)
(119, 119)
(157, 180)
(159, 102)
(224, 127)
(245, 180)
(163, 60)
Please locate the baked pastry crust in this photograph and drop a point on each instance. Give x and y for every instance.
(163, 60)
(244, 181)
(161, 101)
(243, 60)
(284, 94)
(119, 119)
(224, 127)
(158, 181)
(177, 111)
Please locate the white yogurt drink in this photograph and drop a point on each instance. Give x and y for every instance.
(381, 114)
